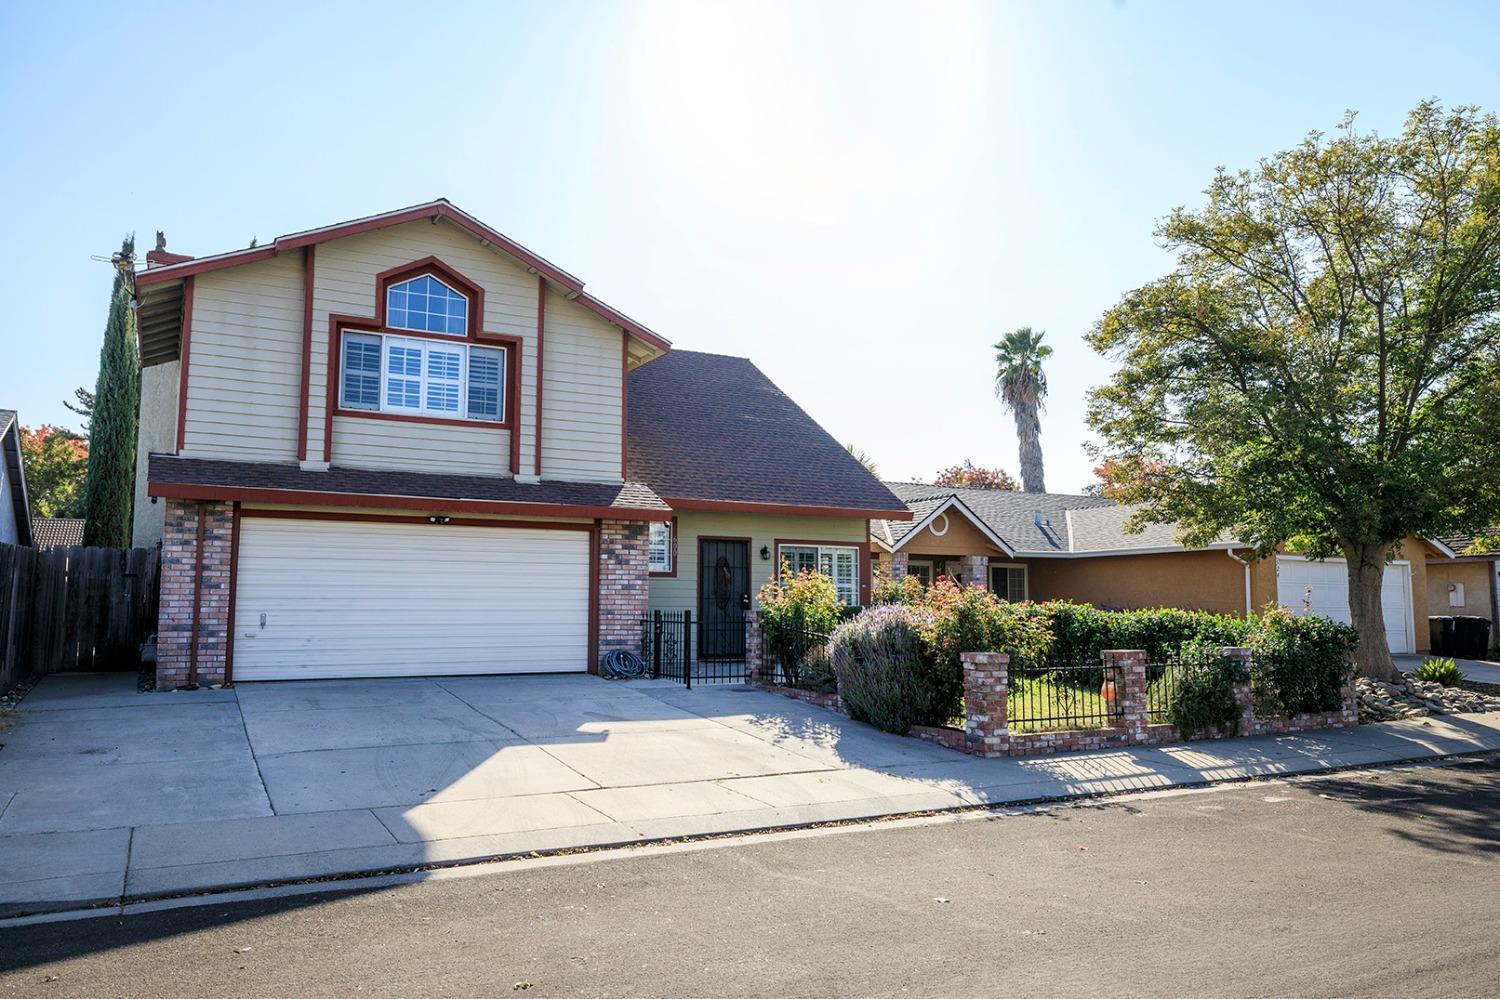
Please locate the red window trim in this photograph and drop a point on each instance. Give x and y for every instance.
(476, 334)
(863, 547)
(510, 344)
(673, 573)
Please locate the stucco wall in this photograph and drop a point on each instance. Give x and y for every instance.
(961, 538)
(680, 592)
(157, 431)
(1475, 577)
(1209, 581)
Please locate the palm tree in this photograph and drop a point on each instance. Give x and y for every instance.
(863, 459)
(1021, 385)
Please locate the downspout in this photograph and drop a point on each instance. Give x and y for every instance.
(1249, 607)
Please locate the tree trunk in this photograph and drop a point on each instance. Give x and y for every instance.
(1366, 574)
(1029, 430)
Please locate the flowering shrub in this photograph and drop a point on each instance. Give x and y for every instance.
(796, 617)
(907, 590)
(882, 676)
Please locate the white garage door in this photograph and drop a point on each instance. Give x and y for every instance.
(1323, 588)
(329, 598)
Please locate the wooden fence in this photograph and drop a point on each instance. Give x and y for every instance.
(75, 609)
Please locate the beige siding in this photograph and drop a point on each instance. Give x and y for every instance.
(680, 592)
(156, 432)
(581, 398)
(344, 283)
(420, 447)
(245, 362)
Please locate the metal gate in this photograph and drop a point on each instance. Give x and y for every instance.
(670, 647)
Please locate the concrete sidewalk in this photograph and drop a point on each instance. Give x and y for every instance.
(107, 795)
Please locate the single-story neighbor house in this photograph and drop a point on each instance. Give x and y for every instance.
(1465, 584)
(1049, 546)
(57, 532)
(407, 445)
(15, 509)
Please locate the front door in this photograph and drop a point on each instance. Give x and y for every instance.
(723, 597)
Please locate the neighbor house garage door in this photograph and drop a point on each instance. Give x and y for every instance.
(332, 598)
(1323, 588)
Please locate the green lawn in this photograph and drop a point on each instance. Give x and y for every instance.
(1032, 701)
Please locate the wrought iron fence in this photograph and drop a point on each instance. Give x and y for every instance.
(667, 646)
(1060, 696)
(797, 656)
(672, 644)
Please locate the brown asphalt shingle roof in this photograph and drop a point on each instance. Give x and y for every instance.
(57, 532)
(168, 469)
(713, 427)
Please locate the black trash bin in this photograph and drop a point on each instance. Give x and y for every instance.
(1441, 629)
(1471, 637)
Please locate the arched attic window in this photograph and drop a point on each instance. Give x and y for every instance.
(424, 303)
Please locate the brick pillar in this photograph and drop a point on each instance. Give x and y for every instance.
(624, 577)
(976, 570)
(1126, 669)
(900, 565)
(1239, 660)
(754, 655)
(183, 574)
(985, 702)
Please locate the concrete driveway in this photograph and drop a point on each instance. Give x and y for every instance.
(108, 794)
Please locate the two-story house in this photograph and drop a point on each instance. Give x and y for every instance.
(406, 445)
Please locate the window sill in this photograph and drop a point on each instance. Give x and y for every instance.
(443, 421)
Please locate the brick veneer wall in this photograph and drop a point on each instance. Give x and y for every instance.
(987, 731)
(976, 570)
(900, 565)
(624, 579)
(179, 565)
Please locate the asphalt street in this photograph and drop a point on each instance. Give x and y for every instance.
(1370, 884)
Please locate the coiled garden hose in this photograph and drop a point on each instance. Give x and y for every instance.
(623, 665)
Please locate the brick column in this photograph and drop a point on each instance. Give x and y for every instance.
(185, 575)
(1239, 659)
(754, 653)
(976, 570)
(1126, 668)
(624, 577)
(900, 565)
(986, 678)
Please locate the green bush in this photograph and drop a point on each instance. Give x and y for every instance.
(795, 616)
(907, 590)
(1444, 671)
(1299, 664)
(1203, 698)
(878, 661)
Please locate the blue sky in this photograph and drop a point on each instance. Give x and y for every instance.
(860, 197)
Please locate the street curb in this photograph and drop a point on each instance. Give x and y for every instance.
(24, 913)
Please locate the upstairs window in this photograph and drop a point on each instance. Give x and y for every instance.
(427, 305)
(384, 373)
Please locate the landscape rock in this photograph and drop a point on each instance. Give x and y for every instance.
(1380, 700)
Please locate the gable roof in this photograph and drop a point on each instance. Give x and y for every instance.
(711, 431)
(57, 532)
(1057, 525)
(440, 208)
(1455, 545)
(14, 467)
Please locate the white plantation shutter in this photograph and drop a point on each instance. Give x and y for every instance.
(659, 548)
(837, 563)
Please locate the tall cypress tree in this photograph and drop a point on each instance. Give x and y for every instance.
(110, 489)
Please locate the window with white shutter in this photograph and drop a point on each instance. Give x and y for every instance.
(660, 546)
(838, 563)
(422, 377)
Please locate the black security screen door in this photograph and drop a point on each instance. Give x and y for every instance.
(723, 598)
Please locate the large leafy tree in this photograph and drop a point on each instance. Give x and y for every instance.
(57, 460)
(112, 429)
(1021, 385)
(1323, 364)
(971, 476)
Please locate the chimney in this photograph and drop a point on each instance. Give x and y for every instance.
(159, 257)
